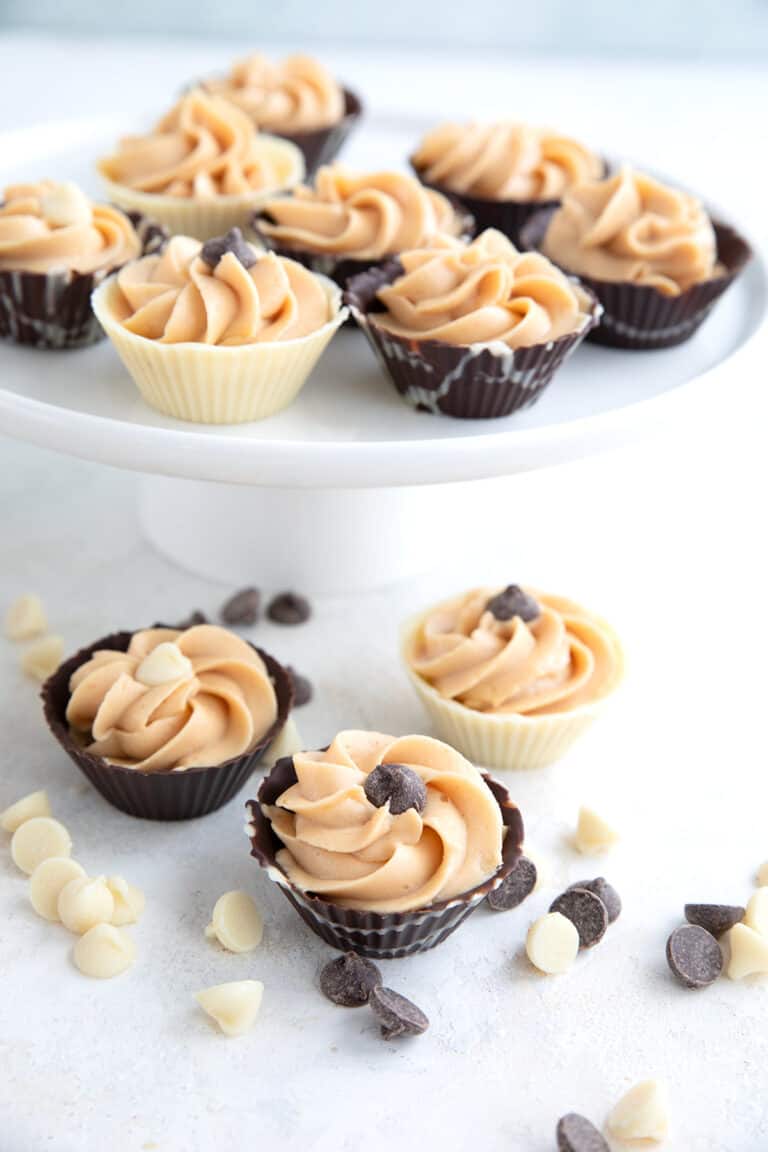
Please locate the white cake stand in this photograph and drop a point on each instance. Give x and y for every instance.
(349, 488)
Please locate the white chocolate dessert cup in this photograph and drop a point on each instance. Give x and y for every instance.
(211, 384)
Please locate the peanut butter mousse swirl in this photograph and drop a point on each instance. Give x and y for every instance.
(361, 216)
(376, 856)
(293, 95)
(204, 147)
(481, 292)
(174, 700)
(51, 227)
(504, 161)
(177, 297)
(549, 655)
(631, 228)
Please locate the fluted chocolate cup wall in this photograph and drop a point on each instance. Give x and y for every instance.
(642, 318)
(379, 935)
(53, 309)
(164, 795)
(321, 145)
(475, 382)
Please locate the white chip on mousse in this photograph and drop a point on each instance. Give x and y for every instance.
(164, 664)
(47, 881)
(236, 922)
(233, 1006)
(35, 804)
(36, 840)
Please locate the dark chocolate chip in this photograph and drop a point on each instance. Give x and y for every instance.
(242, 608)
(694, 956)
(349, 980)
(397, 1015)
(213, 250)
(513, 601)
(515, 887)
(289, 608)
(577, 1134)
(586, 912)
(302, 688)
(605, 892)
(194, 618)
(715, 918)
(399, 785)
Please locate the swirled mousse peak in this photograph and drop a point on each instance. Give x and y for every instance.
(173, 700)
(293, 95)
(52, 227)
(504, 161)
(223, 293)
(479, 293)
(386, 825)
(515, 651)
(359, 215)
(203, 148)
(632, 228)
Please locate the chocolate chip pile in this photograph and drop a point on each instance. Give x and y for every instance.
(697, 950)
(351, 981)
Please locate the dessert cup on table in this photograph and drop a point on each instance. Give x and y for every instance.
(651, 254)
(512, 677)
(384, 846)
(471, 330)
(168, 725)
(218, 333)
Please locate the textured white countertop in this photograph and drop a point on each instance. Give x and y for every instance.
(667, 541)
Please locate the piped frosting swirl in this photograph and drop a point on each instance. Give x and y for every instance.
(296, 94)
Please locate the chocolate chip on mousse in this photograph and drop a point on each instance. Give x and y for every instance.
(513, 601)
(577, 1134)
(399, 785)
(714, 918)
(586, 912)
(397, 1015)
(242, 608)
(349, 980)
(302, 687)
(213, 250)
(289, 608)
(515, 887)
(694, 956)
(605, 892)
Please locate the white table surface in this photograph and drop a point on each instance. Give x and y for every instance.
(666, 540)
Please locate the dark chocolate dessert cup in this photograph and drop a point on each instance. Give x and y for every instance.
(321, 145)
(375, 934)
(641, 318)
(52, 310)
(166, 795)
(472, 382)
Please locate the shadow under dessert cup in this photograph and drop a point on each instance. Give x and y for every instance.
(512, 677)
(218, 333)
(56, 246)
(471, 330)
(503, 172)
(384, 845)
(650, 253)
(296, 98)
(202, 170)
(168, 725)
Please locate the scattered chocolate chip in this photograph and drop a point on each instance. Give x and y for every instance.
(694, 956)
(586, 912)
(213, 250)
(288, 608)
(513, 601)
(577, 1134)
(242, 608)
(515, 887)
(397, 1015)
(605, 892)
(194, 618)
(302, 688)
(349, 980)
(714, 918)
(399, 785)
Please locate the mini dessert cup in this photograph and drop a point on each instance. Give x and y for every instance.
(210, 384)
(640, 317)
(476, 381)
(163, 795)
(321, 145)
(382, 936)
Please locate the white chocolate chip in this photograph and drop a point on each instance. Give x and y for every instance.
(35, 804)
(104, 952)
(593, 833)
(233, 1006)
(65, 205)
(36, 840)
(236, 922)
(552, 943)
(41, 659)
(25, 618)
(128, 901)
(748, 952)
(762, 874)
(756, 915)
(84, 903)
(163, 665)
(47, 881)
(287, 743)
(642, 1114)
